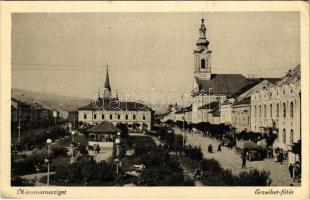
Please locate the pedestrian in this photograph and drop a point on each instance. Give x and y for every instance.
(210, 148)
(290, 169)
(243, 161)
(281, 157)
(219, 147)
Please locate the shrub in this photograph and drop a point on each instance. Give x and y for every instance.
(85, 171)
(253, 178)
(210, 164)
(58, 150)
(194, 153)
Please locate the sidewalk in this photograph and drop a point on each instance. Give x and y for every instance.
(230, 160)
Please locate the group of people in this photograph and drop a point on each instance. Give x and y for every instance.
(295, 171)
(210, 148)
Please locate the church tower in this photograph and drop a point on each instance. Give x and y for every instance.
(202, 56)
(107, 88)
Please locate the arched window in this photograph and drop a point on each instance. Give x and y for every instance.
(292, 110)
(260, 111)
(265, 111)
(277, 110)
(126, 117)
(270, 110)
(95, 116)
(111, 116)
(203, 63)
(102, 116)
(284, 110)
(284, 136)
(291, 136)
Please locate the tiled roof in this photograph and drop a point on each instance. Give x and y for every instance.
(244, 89)
(225, 84)
(104, 127)
(243, 102)
(115, 105)
(291, 76)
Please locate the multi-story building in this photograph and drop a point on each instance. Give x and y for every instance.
(240, 104)
(30, 114)
(210, 87)
(278, 108)
(111, 109)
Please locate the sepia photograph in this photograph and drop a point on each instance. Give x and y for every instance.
(153, 99)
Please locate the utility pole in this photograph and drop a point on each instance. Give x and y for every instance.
(19, 111)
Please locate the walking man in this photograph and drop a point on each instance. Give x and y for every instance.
(243, 161)
(219, 147)
(290, 169)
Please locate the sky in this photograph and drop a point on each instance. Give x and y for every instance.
(147, 53)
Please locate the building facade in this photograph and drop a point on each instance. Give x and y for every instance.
(241, 115)
(107, 108)
(278, 109)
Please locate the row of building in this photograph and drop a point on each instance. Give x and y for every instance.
(247, 104)
(31, 114)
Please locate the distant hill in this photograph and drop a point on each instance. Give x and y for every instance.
(60, 102)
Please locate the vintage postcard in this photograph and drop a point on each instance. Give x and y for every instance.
(134, 100)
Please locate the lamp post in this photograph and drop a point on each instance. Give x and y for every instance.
(117, 160)
(72, 146)
(19, 113)
(47, 160)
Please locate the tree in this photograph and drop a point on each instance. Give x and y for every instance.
(123, 128)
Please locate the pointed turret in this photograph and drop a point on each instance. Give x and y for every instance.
(107, 87)
(107, 80)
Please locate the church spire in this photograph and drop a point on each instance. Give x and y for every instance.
(107, 80)
(107, 87)
(202, 41)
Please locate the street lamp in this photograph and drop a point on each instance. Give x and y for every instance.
(47, 160)
(72, 147)
(117, 142)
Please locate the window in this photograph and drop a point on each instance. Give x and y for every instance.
(203, 64)
(284, 110)
(260, 111)
(102, 116)
(118, 116)
(85, 116)
(291, 136)
(126, 117)
(134, 117)
(277, 110)
(143, 117)
(292, 110)
(95, 116)
(265, 111)
(270, 110)
(284, 136)
(111, 116)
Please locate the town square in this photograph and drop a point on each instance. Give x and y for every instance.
(156, 99)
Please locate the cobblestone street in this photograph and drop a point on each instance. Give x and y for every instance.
(230, 160)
